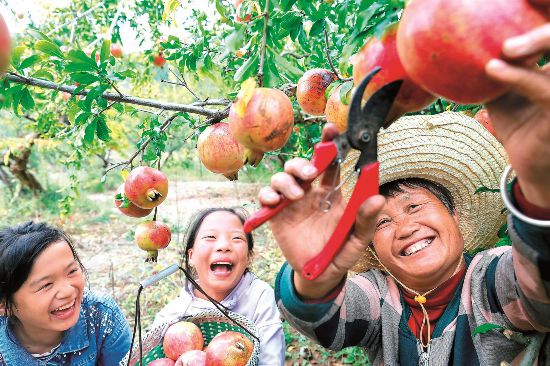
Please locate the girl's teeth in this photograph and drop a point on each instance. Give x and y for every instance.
(417, 247)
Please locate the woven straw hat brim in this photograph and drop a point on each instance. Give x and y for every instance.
(453, 150)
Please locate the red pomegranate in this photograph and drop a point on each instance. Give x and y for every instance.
(383, 52)
(310, 92)
(219, 151)
(229, 349)
(182, 337)
(152, 236)
(336, 111)
(116, 50)
(129, 208)
(445, 44)
(146, 187)
(192, 358)
(261, 120)
(158, 60)
(482, 116)
(238, 9)
(162, 362)
(5, 45)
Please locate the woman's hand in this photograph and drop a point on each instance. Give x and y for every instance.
(303, 228)
(522, 117)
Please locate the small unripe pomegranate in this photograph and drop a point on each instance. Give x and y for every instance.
(152, 236)
(146, 187)
(116, 50)
(158, 60)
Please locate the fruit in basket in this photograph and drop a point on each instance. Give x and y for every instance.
(182, 337)
(229, 349)
(192, 358)
(162, 362)
(146, 187)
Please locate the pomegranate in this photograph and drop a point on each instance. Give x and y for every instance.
(261, 119)
(310, 92)
(336, 111)
(182, 337)
(158, 60)
(126, 206)
(162, 362)
(445, 44)
(229, 349)
(152, 236)
(116, 50)
(219, 152)
(192, 358)
(5, 45)
(146, 187)
(383, 52)
(482, 116)
(240, 8)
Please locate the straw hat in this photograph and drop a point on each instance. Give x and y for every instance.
(453, 150)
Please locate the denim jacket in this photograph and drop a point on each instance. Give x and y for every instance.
(100, 337)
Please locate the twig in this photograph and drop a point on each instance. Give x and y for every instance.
(116, 97)
(295, 55)
(327, 47)
(223, 102)
(75, 19)
(183, 83)
(264, 43)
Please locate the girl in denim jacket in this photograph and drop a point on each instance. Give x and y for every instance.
(48, 317)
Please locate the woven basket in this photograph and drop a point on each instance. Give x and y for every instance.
(210, 323)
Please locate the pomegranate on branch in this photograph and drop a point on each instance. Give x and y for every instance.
(219, 151)
(146, 187)
(5, 46)
(337, 109)
(310, 91)
(261, 119)
(158, 60)
(444, 45)
(383, 52)
(126, 206)
(152, 236)
(116, 50)
(182, 337)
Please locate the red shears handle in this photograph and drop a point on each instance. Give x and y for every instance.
(366, 186)
(324, 153)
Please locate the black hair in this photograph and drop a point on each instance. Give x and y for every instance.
(391, 189)
(196, 222)
(20, 245)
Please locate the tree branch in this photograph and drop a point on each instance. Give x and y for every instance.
(117, 98)
(327, 47)
(264, 43)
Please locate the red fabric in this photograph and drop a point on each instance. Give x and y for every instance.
(435, 305)
(527, 207)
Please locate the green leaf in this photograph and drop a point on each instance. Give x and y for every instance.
(105, 50)
(247, 69)
(27, 102)
(82, 118)
(221, 8)
(286, 5)
(484, 328)
(485, 189)
(345, 92)
(506, 241)
(49, 48)
(28, 62)
(79, 57)
(170, 8)
(331, 88)
(84, 78)
(118, 107)
(103, 131)
(503, 231)
(286, 67)
(44, 74)
(236, 39)
(16, 54)
(317, 28)
(89, 132)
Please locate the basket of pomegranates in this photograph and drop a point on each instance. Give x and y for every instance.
(208, 338)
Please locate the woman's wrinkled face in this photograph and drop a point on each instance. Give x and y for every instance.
(51, 296)
(418, 239)
(220, 253)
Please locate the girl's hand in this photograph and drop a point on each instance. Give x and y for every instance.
(303, 228)
(522, 117)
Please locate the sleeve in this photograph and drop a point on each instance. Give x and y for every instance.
(352, 318)
(524, 293)
(270, 329)
(174, 309)
(117, 339)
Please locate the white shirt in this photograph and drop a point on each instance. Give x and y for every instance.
(252, 298)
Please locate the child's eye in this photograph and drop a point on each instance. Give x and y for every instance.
(238, 238)
(73, 271)
(45, 287)
(209, 237)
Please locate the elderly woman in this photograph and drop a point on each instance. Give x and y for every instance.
(422, 300)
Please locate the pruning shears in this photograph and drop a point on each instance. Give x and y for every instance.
(364, 124)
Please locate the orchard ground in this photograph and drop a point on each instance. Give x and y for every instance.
(115, 265)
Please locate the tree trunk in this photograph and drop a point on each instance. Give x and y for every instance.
(18, 166)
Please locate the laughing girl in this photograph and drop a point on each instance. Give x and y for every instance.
(47, 318)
